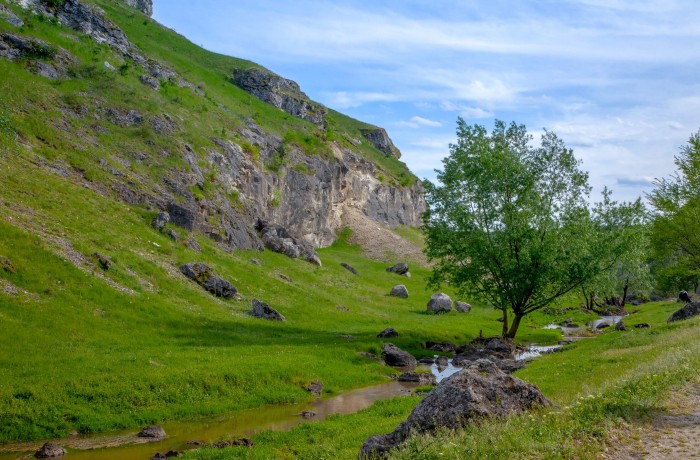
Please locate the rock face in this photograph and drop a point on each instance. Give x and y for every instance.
(381, 141)
(399, 291)
(281, 93)
(205, 277)
(396, 357)
(440, 303)
(145, 6)
(482, 390)
(50, 450)
(688, 311)
(264, 311)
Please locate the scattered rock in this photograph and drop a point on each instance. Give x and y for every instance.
(7, 265)
(181, 216)
(407, 275)
(191, 243)
(195, 443)
(172, 234)
(347, 336)
(169, 454)
(341, 308)
(569, 323)
(421, 378)
(440, 303)
(442, 362)
(314, 387)
(443, 347)
(152, 431)
(399, 268)
(388, 333)
(683, 296)
(161, 220)
(245, 442)
(284, 277)
(399, 291)
(263, 310)
(642, 325)
(620, 326)
(104, 261)
(255, 262)
(688, 311)
(462, 307)
(276, 238)
(396, 357)
(151, 82)
(205, 277)
(427, 360)
(491, 348)
(50, 450)
(307, 414)
(10, 17)
(349, 268)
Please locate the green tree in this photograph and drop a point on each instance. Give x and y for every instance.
(510, 223)
(675, 239)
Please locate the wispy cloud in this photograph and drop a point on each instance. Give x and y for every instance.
(417, 122)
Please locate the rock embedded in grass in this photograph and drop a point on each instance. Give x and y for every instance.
(482, 390)
(50, 450)
(315, 388)
(396, 357)
(399, 291)
(205, 277)
(399, 268)
(388, 333)
(688, 311)
(264, 311)
(462, 307)
(349, 268)
(152, 432)
(161, 220)
(440, 303)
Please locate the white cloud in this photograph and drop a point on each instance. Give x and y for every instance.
(417, 122)
(466, 111)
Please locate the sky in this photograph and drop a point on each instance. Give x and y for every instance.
(618, 81)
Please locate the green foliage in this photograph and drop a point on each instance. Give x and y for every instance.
(676, 202)
(303, 169)
(276, 198)
(510, 223)
(277, 160)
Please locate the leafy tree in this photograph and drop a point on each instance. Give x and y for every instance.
(510, 223)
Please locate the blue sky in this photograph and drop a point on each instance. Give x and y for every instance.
(618, 81)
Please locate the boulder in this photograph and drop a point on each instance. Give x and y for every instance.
(421, 378)
(388, 333)
(462, 307)
(683, 296)
(399, 291)
(153, 432)
(492, 348)
(349, 268)
(620, 326)
(482, 390)
(440, 303)
(205, 277)
(396, 357)
(277, 239)
(50, 450)
(399, 269)
(182, 216)
(688, 311)
(263, 310)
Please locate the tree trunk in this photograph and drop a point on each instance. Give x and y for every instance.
(514, 326)
(504, 334)
(624, 292)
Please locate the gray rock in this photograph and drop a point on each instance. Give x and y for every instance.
(399, 269)
(49, 450)
(161, 220)
(263, 310)
(381, 141)
(191, 243)
(462, 307)
(620, 326)
(688, 311)
(145, 6)
(314, 387)
(407, 275)
(255, 262)
(182, 216)
(421, 378)
(440, 303)
(482, 390)
(152, 431)
(443, 347)
(388, 333)
(442, 362)
(277, 239)
(10, 17)
(172, 234)
(281, 93)
(151, 82)
(399, 291)
(307, 414)
(205, 277)
(349, 268)
(396, 357)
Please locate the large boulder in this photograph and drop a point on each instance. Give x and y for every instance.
(482, 390)
(396, 357)
(205, 277)
(263, 310)
(50, 450)
(399, 269)
(688, 311)
(440, 303)
(399, 291)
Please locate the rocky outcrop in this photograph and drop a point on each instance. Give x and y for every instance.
(381, 141)
(688, 311)
(440, 303)
(480, 391)
(396, 357)
(41, 57)
(279, 92)
(205, 277)
(145, 6)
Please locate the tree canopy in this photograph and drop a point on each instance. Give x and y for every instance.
(510, 223)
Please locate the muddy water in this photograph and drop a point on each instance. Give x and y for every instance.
(126, 446)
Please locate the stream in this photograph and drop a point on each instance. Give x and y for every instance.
(125, 445)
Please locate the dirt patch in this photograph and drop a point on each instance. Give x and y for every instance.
(379, 242)
(671, 434)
